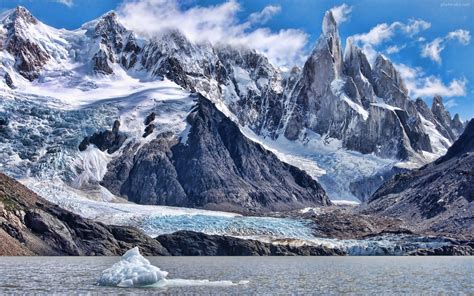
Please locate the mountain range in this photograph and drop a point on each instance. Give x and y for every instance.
(105, 114)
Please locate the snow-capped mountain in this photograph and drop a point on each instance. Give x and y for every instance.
(339, 119)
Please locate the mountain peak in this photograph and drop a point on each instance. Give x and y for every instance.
(329, 24)
(438, 101)
(20, 13)
(107, 23)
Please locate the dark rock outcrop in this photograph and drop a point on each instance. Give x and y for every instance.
(215, 167)
(30, 225)
(148, 130)
(106, 140)
(9, 80)
(456, 250)
(189, 243)
(437, 197)
(464, 144)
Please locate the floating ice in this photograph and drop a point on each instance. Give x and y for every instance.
(134, 270)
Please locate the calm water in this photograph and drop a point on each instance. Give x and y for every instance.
(267, 275)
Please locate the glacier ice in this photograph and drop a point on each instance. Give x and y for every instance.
(134, 270)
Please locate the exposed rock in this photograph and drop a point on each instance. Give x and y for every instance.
(117, 45)
(106, 140)
(189, 243)
(437, 197)
(148, 130)
(456, 250)
(217, 167)
(34, 226)
(463, 145)
(150, 118)
(442, 116)
(29, 56)
(457, 124)
(9, 80)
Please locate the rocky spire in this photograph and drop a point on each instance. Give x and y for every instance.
(442, 116)
(358, 68)
(329, 24)
(457, 124)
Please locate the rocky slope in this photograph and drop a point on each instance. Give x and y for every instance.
(214, 166)
(437, 197)
(30, 225)
(188, 243)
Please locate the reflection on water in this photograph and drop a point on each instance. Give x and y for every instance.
(266, 275)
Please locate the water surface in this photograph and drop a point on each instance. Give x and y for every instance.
(266, 275)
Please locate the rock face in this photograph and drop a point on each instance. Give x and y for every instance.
(106, 140)
(29, 56)
(213, 166)
(116, 45)
(189, 243)
(30, 225)
(439, 196)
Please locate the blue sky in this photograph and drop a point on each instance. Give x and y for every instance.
(429, 41)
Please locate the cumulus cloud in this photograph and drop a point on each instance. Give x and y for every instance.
(217, 24)
(421, 85)
(265, 15)
(384, 32)
(68, 3)
(434, 48)
(341, 13)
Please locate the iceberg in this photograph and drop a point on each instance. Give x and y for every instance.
(134, 270)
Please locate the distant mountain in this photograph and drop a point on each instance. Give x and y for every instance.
(439, 196)
(72, 84)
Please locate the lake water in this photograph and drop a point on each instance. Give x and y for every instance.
(266, 275)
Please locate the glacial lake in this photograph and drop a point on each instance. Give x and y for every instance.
(265, 275)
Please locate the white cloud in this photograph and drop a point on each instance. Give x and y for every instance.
(265, 15)
(217, 24)
(415, 26)
(341, 13)
(68, 3)
(421, 85)
(384, 32)
(376, 35)
(434, 48)
(463, 36)
(395, 48)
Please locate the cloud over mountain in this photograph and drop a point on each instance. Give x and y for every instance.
(218, 24)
